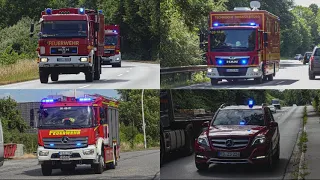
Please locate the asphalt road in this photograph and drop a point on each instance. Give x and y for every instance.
(289, 119)
(132, 75)
(292, 75)
(132, 165)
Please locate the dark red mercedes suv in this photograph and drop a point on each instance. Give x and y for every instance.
(239, 135)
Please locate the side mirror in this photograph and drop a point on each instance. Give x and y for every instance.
(273, 124)
(31, 29)
(206, 124)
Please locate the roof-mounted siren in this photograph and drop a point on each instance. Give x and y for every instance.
(255, 5)
(241, 9)
(81, 10)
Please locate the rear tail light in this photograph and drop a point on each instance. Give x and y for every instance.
(311, 59)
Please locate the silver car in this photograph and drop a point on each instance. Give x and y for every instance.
(273, 109)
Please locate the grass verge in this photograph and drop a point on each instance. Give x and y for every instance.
(23, 70)
(195, 79)
(125, 147)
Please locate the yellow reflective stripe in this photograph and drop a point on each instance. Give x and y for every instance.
(96, 128)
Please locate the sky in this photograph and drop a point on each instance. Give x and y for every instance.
(35, 95)
(307, 2)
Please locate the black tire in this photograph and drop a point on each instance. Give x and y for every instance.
(311, 76)
(54, 77)
(214, 82)
(304, 63)
(112, 165)
(99, 168)
(189, 146)
(46, 169)
(202, 166)
(97, 69)
(43, 77)
(117, 65)
(277, 154)
(258, 80)
(162, 151)
(270, 77)
(269, 165)
(89, 76)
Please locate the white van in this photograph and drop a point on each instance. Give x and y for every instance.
(1, 145)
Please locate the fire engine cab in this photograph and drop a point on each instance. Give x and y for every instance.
(112, 54)
(73, 131)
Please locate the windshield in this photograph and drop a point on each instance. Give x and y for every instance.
(64, 29)
(239, 117)
(111, 40)
(66, 117)
(275, 102)
(234, 40)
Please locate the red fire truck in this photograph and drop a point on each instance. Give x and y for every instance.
(112, 54)
(71, 41)
(74, 131)
(242, 44)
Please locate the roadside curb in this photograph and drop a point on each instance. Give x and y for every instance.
(301, 163)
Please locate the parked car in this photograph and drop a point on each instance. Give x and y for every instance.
(273, 109)
(298, 57)
(314, 64)
(306, 57)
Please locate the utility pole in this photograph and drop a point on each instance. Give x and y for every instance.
(143, 123)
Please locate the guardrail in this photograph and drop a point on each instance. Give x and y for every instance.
(9, 150)
(170, 75)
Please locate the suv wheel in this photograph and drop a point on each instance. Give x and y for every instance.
(311, 76)
(202, 166)
(214, 82)
(277, 154)
(269, 164)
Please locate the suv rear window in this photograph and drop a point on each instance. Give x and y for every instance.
(317, 53)
(239, 117)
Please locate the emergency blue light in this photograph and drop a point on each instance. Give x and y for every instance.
(49, 11)
(220, 62)
(100, 11)
(252, 24)
(51, 145)
(114, 31)
(242, 123)
(215, 24)
(250, 103)
(53, 50)
(47, 100)
(74, 51)
(78, 144)
(243, 61)
(85, 99)
(81, 10)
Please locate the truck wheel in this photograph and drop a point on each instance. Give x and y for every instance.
(113, 164)
(311, 76)
(270, 77)
(43, 77)
(202, 166)
(46, 169)
(214, 82)
(89, 76)
(54, 77)
(189, 146)
(258, 80)
(98, 168)
(162, 151)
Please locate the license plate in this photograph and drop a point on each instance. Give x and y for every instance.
(65, 153)
(64, 59)
(232, 70)
(229, 154)
(65, 158)
(107, 52)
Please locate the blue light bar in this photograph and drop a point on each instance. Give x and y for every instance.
(49, 11)
(244, 61)
(250, 103)
(215, 24)
(78, 144)
(51, 145)
(242, 123)
(85, 99)
(252, 24)
(220, 62)
(114, 31)
(81, 10)
(47, 100)
(100, 11)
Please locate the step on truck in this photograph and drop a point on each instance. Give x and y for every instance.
(178, 126)
(74, 131)
(242, 44)
(113, 40)
(71, 40)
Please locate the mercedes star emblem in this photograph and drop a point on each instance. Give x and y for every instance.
(229, 143)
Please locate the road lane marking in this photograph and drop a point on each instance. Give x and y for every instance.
(83, 86)
(127, 71)
(120, 74)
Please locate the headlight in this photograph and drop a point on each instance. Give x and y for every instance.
(43, 153)
(44, 59)
(259, 140)
(88, 152)
(118, 59)
(203, 141)
(209, 70)
(255, 70)
(83, 59)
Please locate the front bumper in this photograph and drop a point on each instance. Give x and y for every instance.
(53, 61)
(77, 155)
(111, 59)
(258, 155)
(238, 72)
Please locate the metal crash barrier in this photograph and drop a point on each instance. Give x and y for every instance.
(9, 150)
